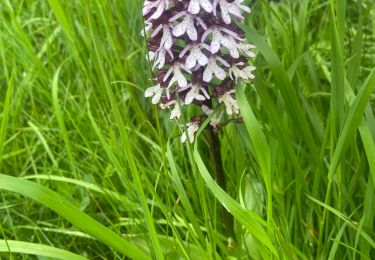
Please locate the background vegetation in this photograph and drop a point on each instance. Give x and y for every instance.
(90, 169)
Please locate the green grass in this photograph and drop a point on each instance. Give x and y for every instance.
(88, 168)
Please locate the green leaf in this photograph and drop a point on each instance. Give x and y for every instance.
(250, 220)
(260, 145)
(352, 121)
(71, 213)
(13, 246)
(287, 89)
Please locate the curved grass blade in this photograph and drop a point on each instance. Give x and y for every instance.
(67, 210)
(348, 221)
(88, 186)
(285, 86)
(60, 119)
(21, 247)
(261, 147)
(247, 218)
(126, 146)
(182, 194)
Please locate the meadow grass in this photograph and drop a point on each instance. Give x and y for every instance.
(89, 169)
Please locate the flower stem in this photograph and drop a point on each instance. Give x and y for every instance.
(220, 178)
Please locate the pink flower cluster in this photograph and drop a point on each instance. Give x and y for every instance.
(198, 53)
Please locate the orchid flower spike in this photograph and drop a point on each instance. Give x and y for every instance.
(199, 53)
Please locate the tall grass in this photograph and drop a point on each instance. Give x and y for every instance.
(89, 169)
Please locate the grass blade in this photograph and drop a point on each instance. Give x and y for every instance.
(285, 86)
(13, 246)
(247, 218)
(260, 144)
(340, 215)
(182, 193)
(60, 119)
(5, 118)
(68, 211)
(352, 121)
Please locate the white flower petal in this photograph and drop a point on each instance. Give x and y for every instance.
(149, 92)
(227, 43)
(178, 76)
(207, 6)
(182, 82)
(232, 33)
(245, 73)
(161, 61)
(184, 51)
(224, 62)
(194, 94)
(170, 53)
(194, 56)
(147, 28)
(231, 104)
(151, 55)
(243, 7)
(205, 93)
(234, 53)
(191, 61)
(200, 98)
(189, 98)
(201, 58)
(159, 10)
(201, 23)
(186, 69)
(191, 31)
(148, 5)
(166, 40)
(224, 12)
(234, 10)
(180, 29)
(183, 137)
(248, 71)
(215, 43)
(191, 129)
(156, 98)
(155, 92)
(246, 49)
(177, 16)
(156, 31)
(194, 7)
(207, 110)
(176, 112)
(207, 74)
(220, 73)
(168, 74)
(214, 6)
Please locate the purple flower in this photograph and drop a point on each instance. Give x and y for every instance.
(198, 54)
